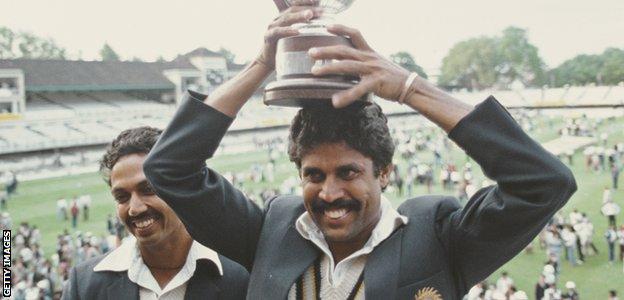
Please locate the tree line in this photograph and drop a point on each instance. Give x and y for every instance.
(474, 64)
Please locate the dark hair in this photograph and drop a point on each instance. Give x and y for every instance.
(362, 127)
(129, 141)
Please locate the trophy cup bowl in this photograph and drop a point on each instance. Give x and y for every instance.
(295, 84)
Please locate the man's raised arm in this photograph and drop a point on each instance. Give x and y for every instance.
(214, 212)
(499, 221)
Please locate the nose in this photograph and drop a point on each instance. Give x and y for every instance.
(137, 206)
(331, 190)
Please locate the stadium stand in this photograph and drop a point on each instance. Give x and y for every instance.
(67, 111)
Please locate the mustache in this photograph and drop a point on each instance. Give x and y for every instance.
(319, 206)
(144, 215)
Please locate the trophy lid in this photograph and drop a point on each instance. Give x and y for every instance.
(329, 6)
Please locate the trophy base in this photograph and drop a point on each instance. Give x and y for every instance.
(305, 92)
(295, 84)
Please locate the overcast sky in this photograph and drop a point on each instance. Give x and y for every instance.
(427, 29)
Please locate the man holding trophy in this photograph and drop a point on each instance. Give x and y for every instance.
(342, 239)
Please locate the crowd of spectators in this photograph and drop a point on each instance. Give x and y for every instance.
(422, 162)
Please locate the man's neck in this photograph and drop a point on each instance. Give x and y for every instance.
(342, 249)
(167, 259)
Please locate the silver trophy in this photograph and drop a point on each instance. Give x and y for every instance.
(295, 84)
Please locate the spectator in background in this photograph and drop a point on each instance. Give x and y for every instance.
(552, 292)
(613, 295)
(61, 209)
(606, 195)
(611, 236)
(518, 295)
(540, 287)
(11, 185)
(504, 283)
(477, 292)
(553, 243)
(571, 293)
(4, 198)
(569, 241)
(85, 201)
(575, 217)
(5, 221)
(620, 235)
(610, 210)
(74, 213)
(615, 173)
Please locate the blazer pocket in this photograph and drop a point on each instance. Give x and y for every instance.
(434, 284)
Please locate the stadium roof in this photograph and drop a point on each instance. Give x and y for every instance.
(67, 75)
(70, 75)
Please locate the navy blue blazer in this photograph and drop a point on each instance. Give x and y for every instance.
(444, 246)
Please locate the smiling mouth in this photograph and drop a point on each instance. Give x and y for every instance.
(336, 214)
(144, 223)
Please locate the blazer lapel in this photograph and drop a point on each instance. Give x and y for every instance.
(202, 285)
(123, 288)
(381, 273)
(295, 255)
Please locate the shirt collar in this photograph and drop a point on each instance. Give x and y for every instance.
(122, 258)
(389, 221)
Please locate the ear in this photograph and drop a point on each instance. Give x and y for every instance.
(384, 175)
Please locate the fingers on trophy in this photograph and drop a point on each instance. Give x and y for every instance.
(295, 84)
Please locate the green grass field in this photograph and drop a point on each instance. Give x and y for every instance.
(36, 204)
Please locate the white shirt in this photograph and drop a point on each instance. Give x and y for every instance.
(389, 221)
(128, 258)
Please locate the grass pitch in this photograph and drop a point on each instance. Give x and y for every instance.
(36, 204)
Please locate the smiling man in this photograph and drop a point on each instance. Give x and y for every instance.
(342, 239)
(162, 261)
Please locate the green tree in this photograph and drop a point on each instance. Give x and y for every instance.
(471, 64)
(406, 60)
(486, 62)
(27, 45)
(612, 70)
(520, 59)
(108, 54)
(7, 36)
(580, 70)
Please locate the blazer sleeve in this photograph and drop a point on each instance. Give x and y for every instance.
(215, 213)
(500, 220)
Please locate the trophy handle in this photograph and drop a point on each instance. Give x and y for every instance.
(281, 5)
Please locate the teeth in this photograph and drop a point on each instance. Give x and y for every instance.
(144, 223)
(336, 214)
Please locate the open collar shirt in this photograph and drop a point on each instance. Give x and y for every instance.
(390, 220)
(127, 258)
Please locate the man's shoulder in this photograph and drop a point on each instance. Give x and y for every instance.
(234, 272)
(429, 205)
(87, 283)
(89, 264)
(85, 270)
(281, 213)
(285, 204)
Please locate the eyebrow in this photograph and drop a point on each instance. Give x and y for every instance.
(308, 170)
(349, 167)
(144, 183)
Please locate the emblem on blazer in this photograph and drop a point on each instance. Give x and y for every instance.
(428, 293)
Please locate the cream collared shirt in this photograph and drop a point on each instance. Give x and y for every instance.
(335, 273)
(128, 258)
